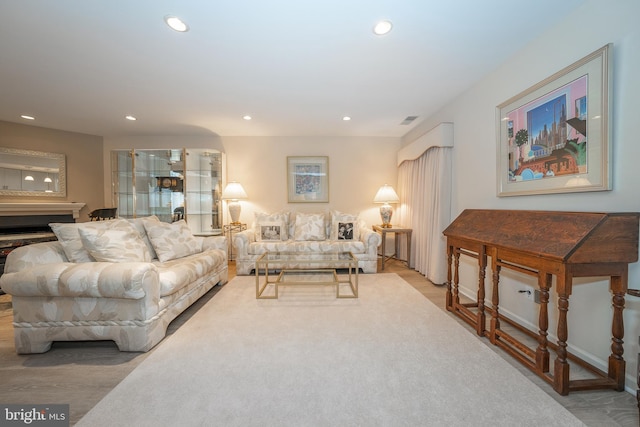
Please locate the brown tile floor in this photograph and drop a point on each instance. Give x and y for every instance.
(82, 373)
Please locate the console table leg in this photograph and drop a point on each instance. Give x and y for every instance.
(456, 277)
(542, 352)
(561, 366)
(481, 323)
(449, 301)
(617, 364)
(495, 302)
(638, 390)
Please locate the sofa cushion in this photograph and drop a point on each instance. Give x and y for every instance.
(121, 242)
(310, 227)
(355, 246)
(344, 226)
(83, 280)
(69, 238)
(172, 241)
(138, 224)
(266, 225)
(178, 273)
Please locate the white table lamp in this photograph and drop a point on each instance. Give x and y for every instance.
(234, 192)
(385, 195)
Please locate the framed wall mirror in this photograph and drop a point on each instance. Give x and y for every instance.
(32, 173)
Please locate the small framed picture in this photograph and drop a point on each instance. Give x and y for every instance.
(271, 231)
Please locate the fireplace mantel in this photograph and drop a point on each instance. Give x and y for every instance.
(41, 209)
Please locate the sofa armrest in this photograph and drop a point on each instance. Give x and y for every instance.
(371, 240)
(128, 280)
(241, 242)
(33, 255)
(215, 242)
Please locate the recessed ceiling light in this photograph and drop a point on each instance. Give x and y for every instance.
(346, 118)
(246, 117)
(24, 116)
(382, 27)
(176, 23)
(132, 118)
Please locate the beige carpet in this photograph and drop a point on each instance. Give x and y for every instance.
(389, 358)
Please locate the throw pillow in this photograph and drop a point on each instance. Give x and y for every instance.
(121, 242)
(280, 219)
(344, 226)
(172, 241)
(310, 227)
(69, 238)
(138, 224)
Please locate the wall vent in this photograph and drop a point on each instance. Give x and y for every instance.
(408, 120)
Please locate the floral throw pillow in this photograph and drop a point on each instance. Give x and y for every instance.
(69, 237)
(172, 241)
(310, 227)
(121, 242)
(138, 224)
(344, 226)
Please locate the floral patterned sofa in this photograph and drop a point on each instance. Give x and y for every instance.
(306, 232)
(120, 280)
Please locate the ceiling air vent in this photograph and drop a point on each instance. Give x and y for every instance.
(408, 120)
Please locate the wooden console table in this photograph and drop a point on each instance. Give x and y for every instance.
(636, 293)
(545, 244)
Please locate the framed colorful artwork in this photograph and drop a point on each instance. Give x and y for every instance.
(308, 179)
(555, 136)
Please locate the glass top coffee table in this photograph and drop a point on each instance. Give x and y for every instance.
(306, 268)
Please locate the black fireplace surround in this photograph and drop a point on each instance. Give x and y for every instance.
(20, 230)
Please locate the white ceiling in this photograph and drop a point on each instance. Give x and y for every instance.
(296, 66)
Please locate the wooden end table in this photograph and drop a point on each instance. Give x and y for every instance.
(396, 230)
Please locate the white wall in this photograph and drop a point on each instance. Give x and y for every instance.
(358, 166)
(590, 27)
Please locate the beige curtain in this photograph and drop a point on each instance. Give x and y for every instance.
(424, 188)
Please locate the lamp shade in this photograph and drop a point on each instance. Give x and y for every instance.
(234, 191)
(386, 194)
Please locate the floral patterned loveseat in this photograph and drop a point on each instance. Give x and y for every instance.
(306, 232)
(121, 280)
